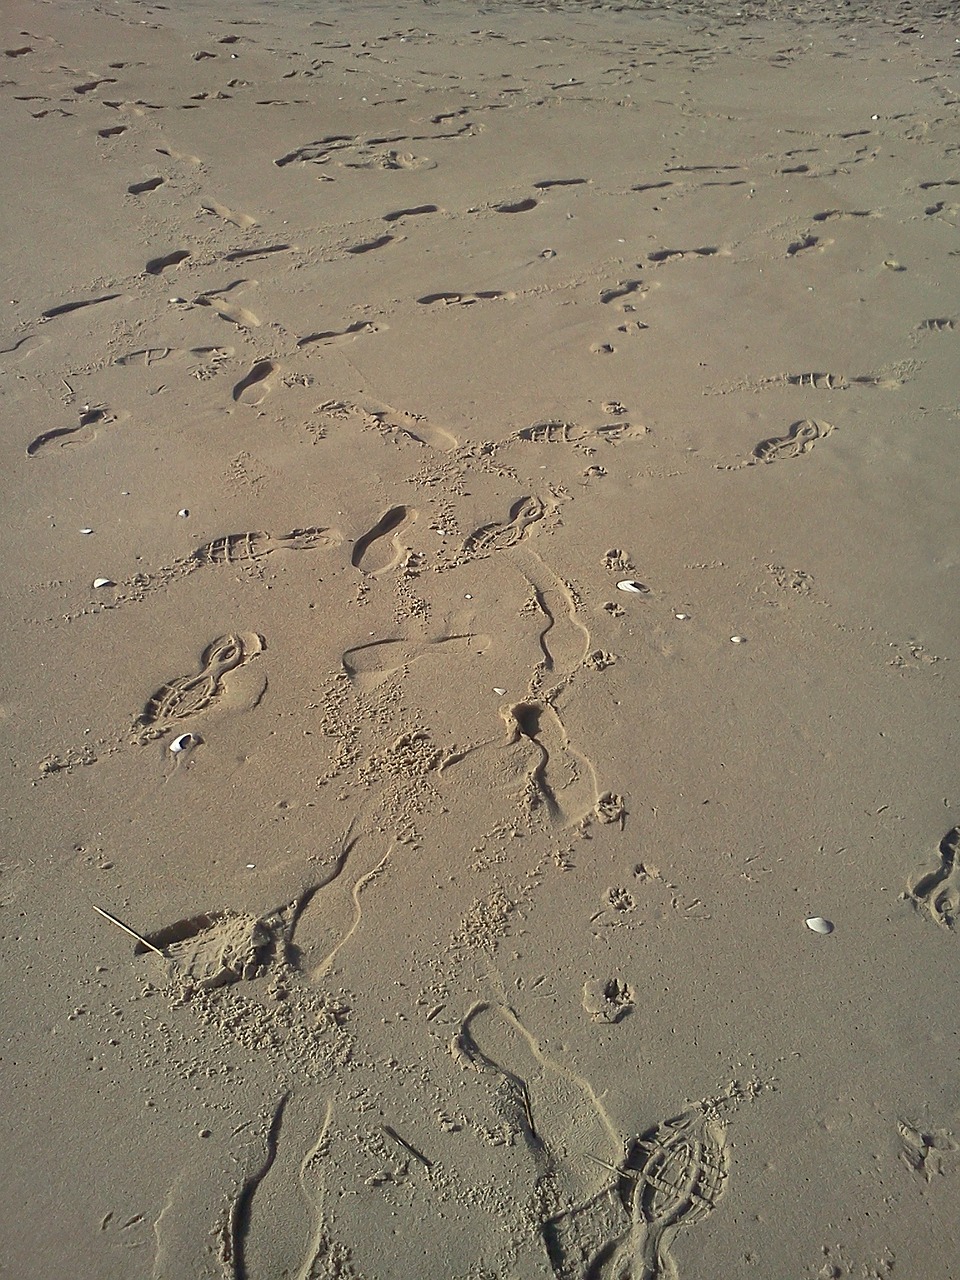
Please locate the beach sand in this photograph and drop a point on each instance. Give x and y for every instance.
(517, 446)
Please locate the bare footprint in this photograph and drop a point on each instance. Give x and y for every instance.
(369, 665)
(937, 892)
(381, 548)
(254, 388)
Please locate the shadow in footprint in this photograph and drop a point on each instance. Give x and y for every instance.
(370, 556)
(257, 385)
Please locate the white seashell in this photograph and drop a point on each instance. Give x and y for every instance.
(86, 531)
(681, 617)
(628, 584)
(501, 692)
(102, 582)
(182, 742)
(183, 513)
(738, 639)
(818, 925)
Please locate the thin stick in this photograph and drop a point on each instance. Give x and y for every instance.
(132, 932)
(417, 1155)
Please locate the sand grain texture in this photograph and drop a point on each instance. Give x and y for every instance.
(363, 351)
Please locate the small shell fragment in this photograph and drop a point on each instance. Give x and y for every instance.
(681, 617)
(629, 584)
(182, 741)
(183, 513)
(817, 924)
(102, 582)
(738, 639)
(500, 692)
(86, 531)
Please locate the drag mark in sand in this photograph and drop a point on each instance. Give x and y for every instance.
(235, 1230)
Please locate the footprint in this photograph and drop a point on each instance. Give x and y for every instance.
(369, 665)
(564, 641)
(113, 132)
(937, 893)
(228, 309)
(156, 265)
(570, 433)
(260, 251)
(141, 188)
(623, 290)
(257, 385)
(672, 1176)
(397, 214)
(370, 556)
(66, 307)
(558, 182)
(517, 206)
(461, 299)
(500, 535)
(608, 999)
(367, 245)
(248, 548)
(801, 438)
(187, 696)
(241, 220)
(209, 356)
(555, 780)
(669, 255)
(411, 426)
(335, 337)
(555, 1115)
(63, 437)
(215, 949)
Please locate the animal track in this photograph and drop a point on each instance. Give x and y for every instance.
(608, 999)
(937, 893)
(499, 535)
(257, 385)
(212, 356)
(801, 438)
(187, 696)
(369, 555)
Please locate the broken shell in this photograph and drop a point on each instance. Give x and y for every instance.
(86, 531)
(500, 692)
(102, 582)
(628, 584)
(681, 617)
(182, 742)
(183, 513)
(738, 639)
(817, 924)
